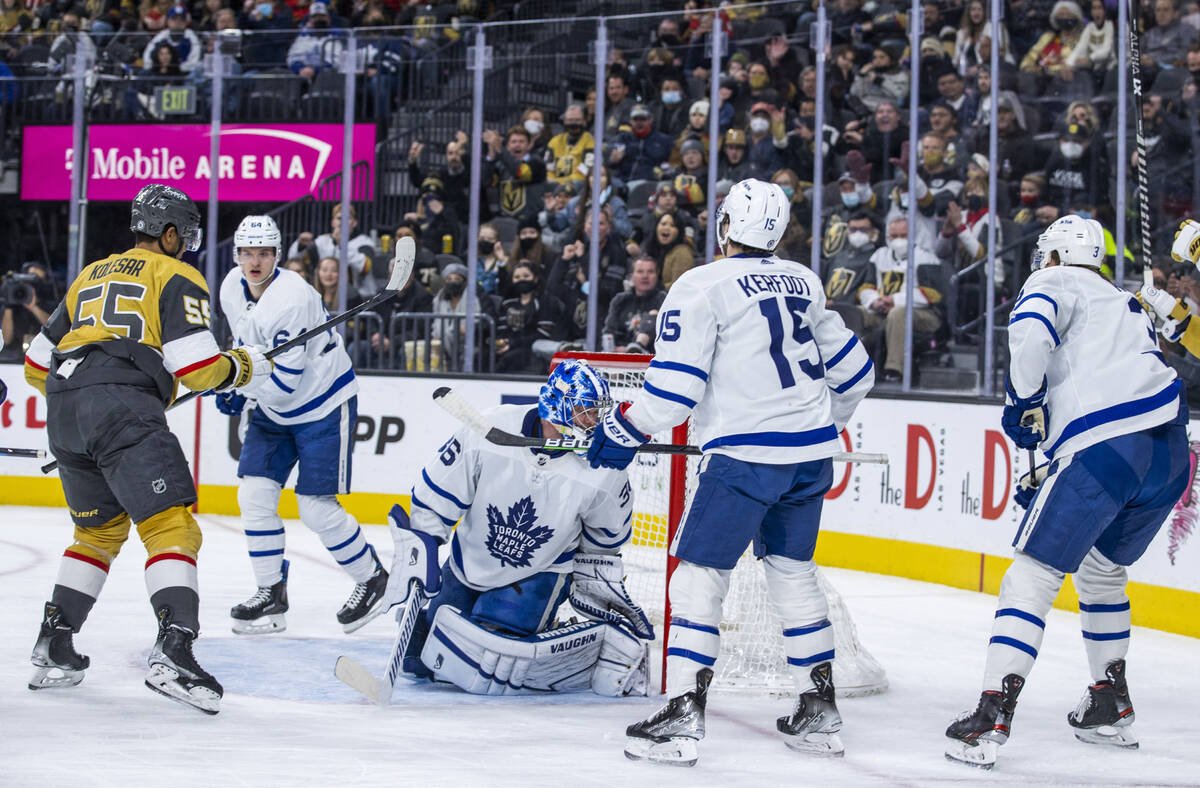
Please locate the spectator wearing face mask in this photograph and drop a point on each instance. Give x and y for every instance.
(316, 48)
(963, 242)
(517, 328)
(269, 19)
(1077, 170)
(846, 265)
(669, 110)
(183, 40)
(763, 142)
(884, 300)
(569, 156)
(528, 248)
(1030, 195)
(1048, 56)
(533, 120)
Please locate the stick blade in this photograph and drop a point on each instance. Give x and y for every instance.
(402, 263)
(358, 678)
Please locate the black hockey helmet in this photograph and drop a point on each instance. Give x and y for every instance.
(157, 206)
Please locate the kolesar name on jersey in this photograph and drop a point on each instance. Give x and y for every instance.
(753, 284)
(130, 266)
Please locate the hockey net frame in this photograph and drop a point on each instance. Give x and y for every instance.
(752, 658)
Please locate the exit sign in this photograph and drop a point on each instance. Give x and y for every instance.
(172, 100)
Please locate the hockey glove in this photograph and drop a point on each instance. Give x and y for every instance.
(615, 440)
(598, 592)
(1162, 302)
(414, 557)
(1186, 247)
(230, 403)
(251, 369)
(1026, 419)
(1027, 485)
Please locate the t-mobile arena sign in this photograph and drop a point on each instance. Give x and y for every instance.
(258, 163)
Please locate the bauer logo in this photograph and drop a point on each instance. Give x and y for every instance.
(268, 162)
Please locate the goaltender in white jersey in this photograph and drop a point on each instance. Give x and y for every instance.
(535, 526)
(303, 416)
(772, 377)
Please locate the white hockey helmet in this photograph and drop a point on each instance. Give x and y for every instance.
(757, 214)
(1077, 240)
(258, 231)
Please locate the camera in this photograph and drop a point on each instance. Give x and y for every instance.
(17, 289)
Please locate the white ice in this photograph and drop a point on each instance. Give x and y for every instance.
(286, 720)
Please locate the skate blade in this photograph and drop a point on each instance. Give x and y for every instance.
(371, 613)
(1122, 737)
(165, 681)
(822, 745)
(981, 755)
(679, 751)
(265, 625)
(53, 677)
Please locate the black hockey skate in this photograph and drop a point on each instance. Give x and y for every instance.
(812, 728)
(1105, 713)
(977, 735)
(366, 600)
(174, 671)
(670, 736)
(55, 661)
(263, 612)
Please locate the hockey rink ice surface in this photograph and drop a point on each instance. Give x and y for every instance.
(286, 721)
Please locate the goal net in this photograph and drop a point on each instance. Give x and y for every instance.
(752, 657)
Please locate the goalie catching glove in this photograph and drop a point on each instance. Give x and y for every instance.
(251, 369)
(414, 559)
(598, 592)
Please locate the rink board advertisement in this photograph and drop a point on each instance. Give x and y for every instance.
(941, 510)
(258, 162)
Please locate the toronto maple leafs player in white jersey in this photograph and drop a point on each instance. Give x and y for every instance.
(305, 415)
(1088, 385)
(769, 377)
(536, 527)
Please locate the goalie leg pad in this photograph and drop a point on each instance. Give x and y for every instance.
(623, 667)
(258, 500)
(796, 595)
(1026, 595)
(483, 662)
(697, 593)
(1104, 615)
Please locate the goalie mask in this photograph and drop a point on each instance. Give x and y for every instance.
(574, 399)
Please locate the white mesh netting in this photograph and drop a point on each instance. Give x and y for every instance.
(752, 657)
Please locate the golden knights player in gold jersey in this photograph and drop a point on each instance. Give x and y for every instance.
(130, 329)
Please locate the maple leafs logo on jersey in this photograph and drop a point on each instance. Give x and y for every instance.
(512, 541)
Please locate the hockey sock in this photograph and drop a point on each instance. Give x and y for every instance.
(340, 534)
(172, 540)
(258, 501)
(1104, 615)
(84, 568)
(1026, 596)
(695, 641)
(793, 589)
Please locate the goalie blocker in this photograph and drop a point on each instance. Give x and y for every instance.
(602, 657)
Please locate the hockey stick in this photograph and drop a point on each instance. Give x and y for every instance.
(453, 403)
(355, 676)
(406, 255)
(33, 453)
(1139, 139)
